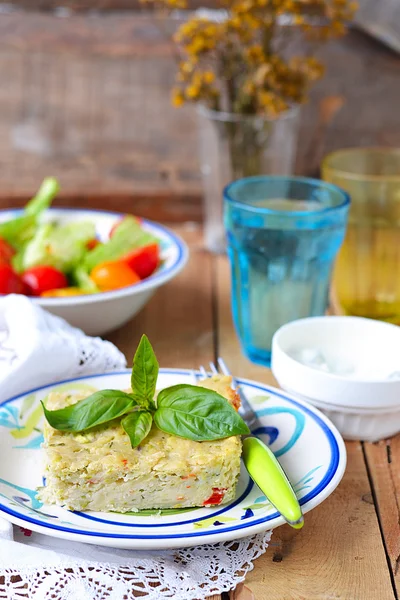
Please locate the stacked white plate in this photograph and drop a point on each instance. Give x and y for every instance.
(348, 367)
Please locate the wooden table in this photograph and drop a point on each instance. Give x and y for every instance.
(349, 548)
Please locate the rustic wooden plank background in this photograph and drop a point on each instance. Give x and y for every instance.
(86, 98)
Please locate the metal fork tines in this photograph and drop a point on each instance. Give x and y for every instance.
(245, 411)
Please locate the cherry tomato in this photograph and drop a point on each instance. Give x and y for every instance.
(43, 278)
(144, 261)
(6, 252)
(118, 223)
(92, 243)
(63, 292)
(10, 282)
(113, 275)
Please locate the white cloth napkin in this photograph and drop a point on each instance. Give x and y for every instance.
(37, 348)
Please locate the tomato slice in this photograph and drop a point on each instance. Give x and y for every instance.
(43, 278)
(144, 261)
(6, 252)
(113, 275)
(10, 282)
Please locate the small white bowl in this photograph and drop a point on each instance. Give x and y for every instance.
(363, 403)
(97, 314)
(366, 424)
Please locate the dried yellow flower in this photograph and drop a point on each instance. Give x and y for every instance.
(255, 54)
(208, 77)
(177, 97)
(233, 63)
(176, 4)
(192, 92)
(298, 20)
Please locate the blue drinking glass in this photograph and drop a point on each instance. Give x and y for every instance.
(283, 234)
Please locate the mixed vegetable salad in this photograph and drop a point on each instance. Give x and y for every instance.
(51, 259)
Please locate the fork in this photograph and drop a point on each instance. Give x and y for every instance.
(260, 462)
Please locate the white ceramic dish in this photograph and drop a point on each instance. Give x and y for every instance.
(99, 313)
(307, 444)
(363, 404)
(367, 424)
(371, 347)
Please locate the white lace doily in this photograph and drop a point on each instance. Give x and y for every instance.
(188, 574)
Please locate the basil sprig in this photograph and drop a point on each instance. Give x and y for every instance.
(187, 411)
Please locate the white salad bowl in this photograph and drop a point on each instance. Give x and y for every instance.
(97, 314)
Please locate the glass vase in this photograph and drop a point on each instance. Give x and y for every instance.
(233, 146)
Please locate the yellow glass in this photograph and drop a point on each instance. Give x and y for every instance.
(367, 272)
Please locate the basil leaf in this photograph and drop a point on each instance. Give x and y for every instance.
(96, 409)
(198, 414)
(137, 425)
(144, 373)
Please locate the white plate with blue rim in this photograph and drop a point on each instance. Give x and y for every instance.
(308, 446)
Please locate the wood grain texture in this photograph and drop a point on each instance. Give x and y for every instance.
(116, 35)
(99, 6)
(386, 12)
(339, 554)
(383, 461)
(242, 592)
(87, 100)
(157, 206)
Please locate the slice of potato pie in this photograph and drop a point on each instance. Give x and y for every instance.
(99, 470)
